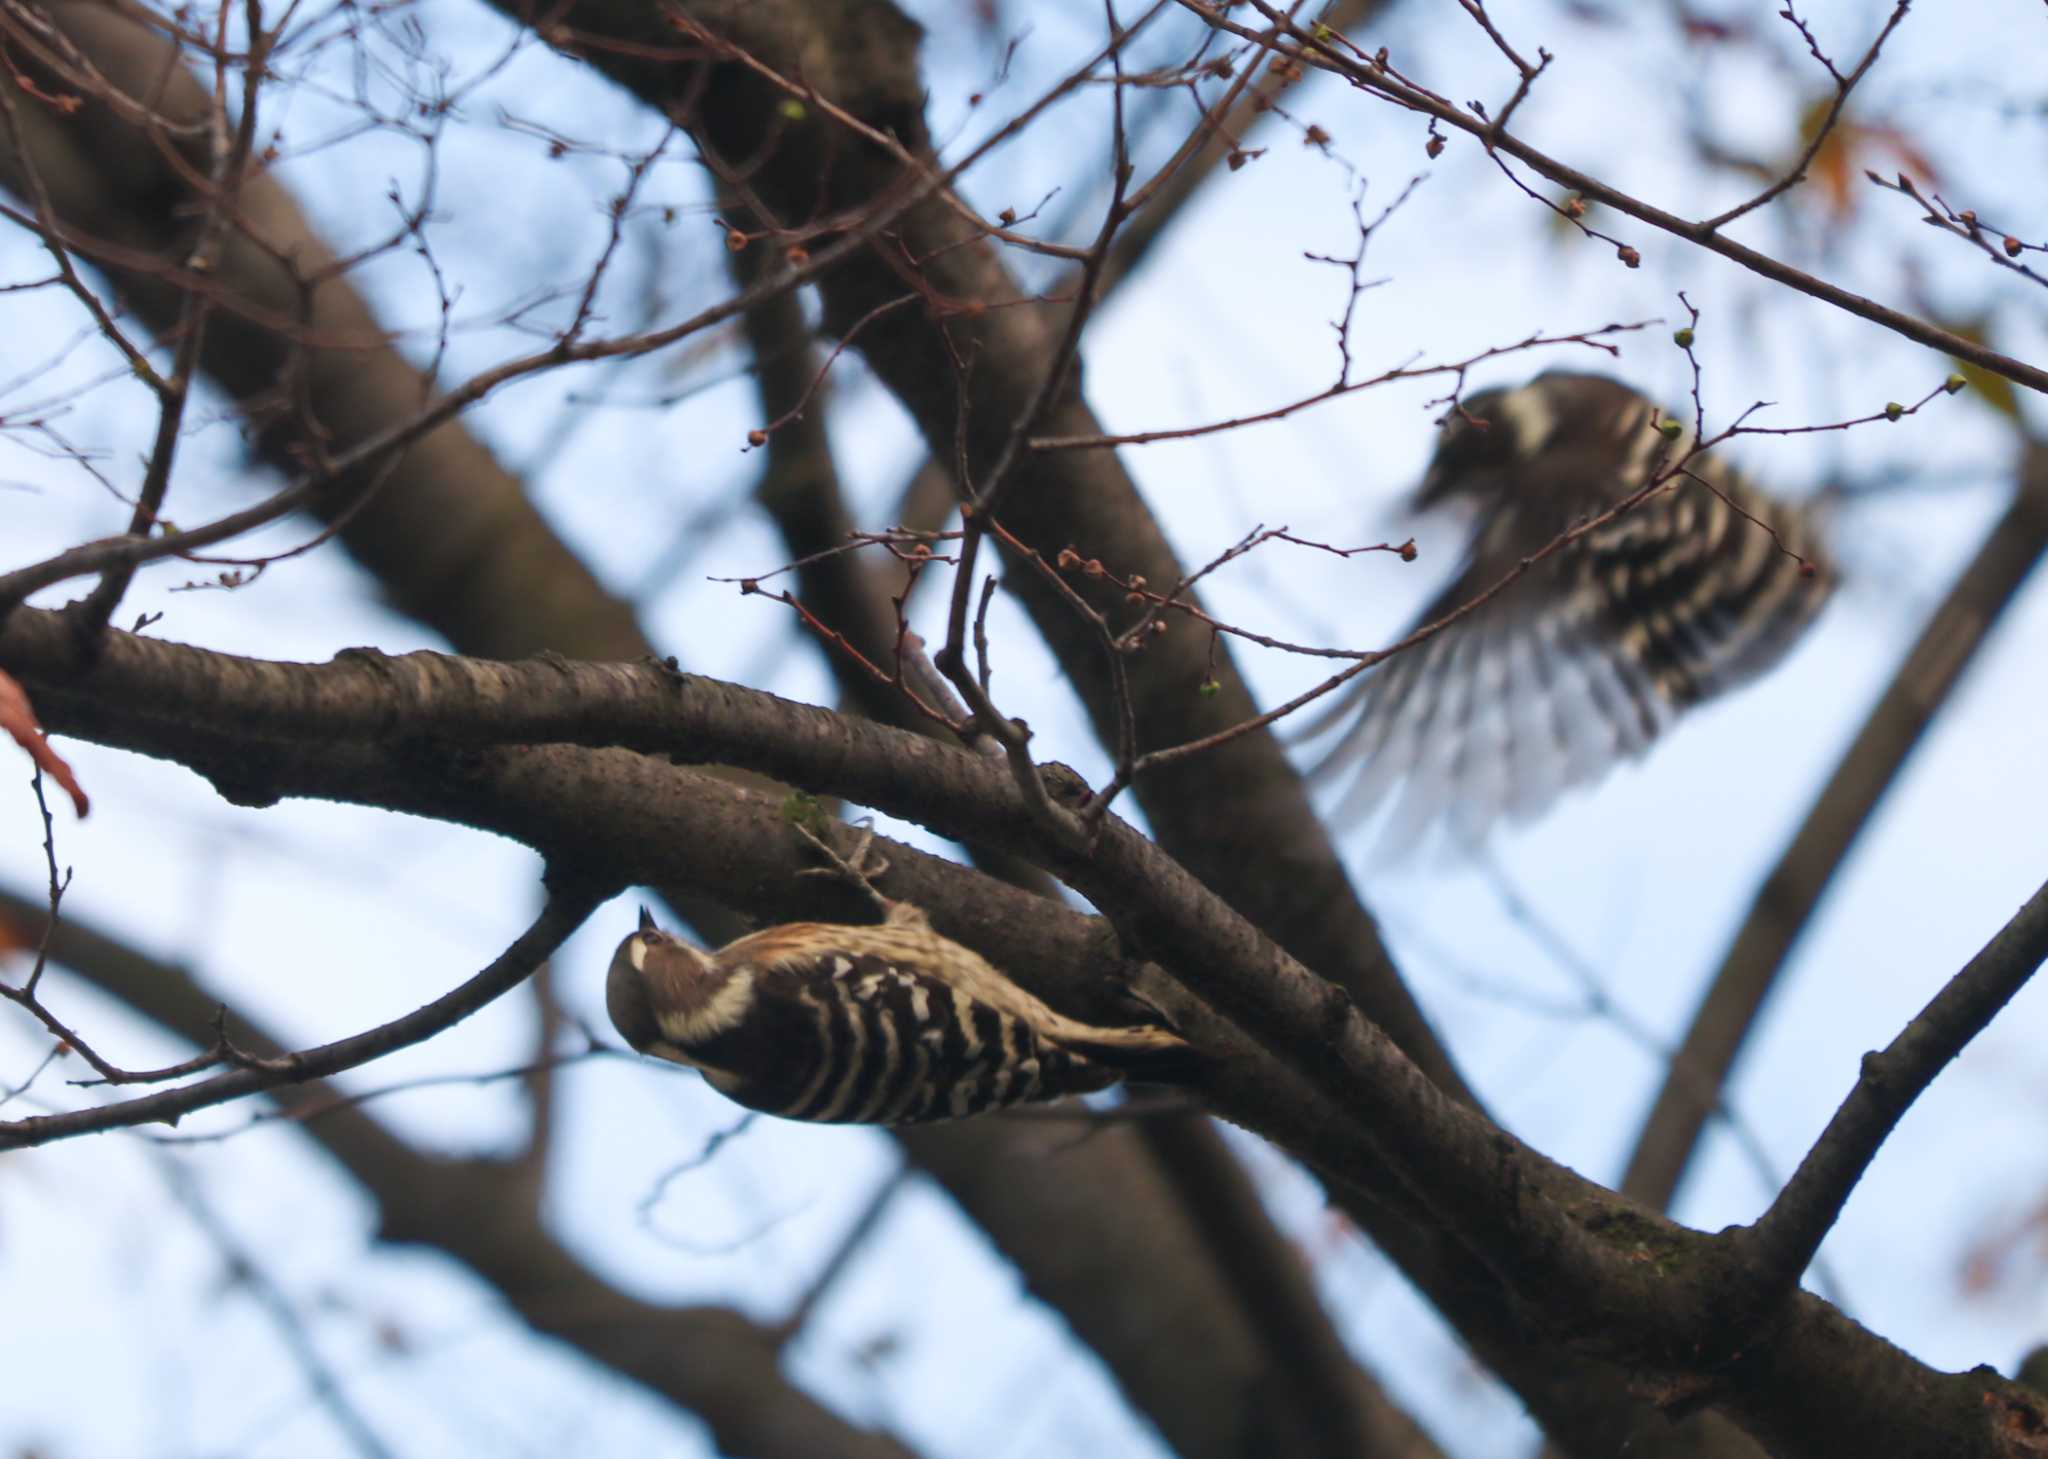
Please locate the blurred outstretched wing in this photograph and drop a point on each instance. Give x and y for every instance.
(1590, 655)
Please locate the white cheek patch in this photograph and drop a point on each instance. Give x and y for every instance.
(636, 953)
(721, 1011)
(1528, 414)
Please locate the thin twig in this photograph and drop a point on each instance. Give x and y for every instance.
(1843, 86)
(564, 912)
(1102, 442)
(1782, 1242)
(244, 1271)
(1380, 80)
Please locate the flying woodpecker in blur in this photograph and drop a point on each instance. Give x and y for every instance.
(1588, 656)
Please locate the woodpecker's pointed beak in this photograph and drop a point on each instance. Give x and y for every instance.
(646, 920)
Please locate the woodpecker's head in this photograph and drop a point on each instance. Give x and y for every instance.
(665, 995)
(1504, 440)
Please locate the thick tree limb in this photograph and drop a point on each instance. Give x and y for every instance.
(1651, 1294)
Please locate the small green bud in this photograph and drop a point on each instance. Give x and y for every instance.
(1954, 383)
(1893, 410)
(792, 110)
(1670, 429)
(1682, 338)
(1208, 688)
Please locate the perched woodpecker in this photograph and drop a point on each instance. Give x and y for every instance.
(1591, 654)
(880, 1024)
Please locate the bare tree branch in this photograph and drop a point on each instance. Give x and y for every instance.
(1784, 1239)
(1785, 902)
(566, 908)
(451, 533)
(1377, 78)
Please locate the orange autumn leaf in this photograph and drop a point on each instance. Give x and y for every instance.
(1848, 150)
(18, 718)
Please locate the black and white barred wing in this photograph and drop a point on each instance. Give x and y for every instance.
(1589, 656)
(857, 1037)
(1493, 718)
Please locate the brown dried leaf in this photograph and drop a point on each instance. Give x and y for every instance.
(18, 718)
